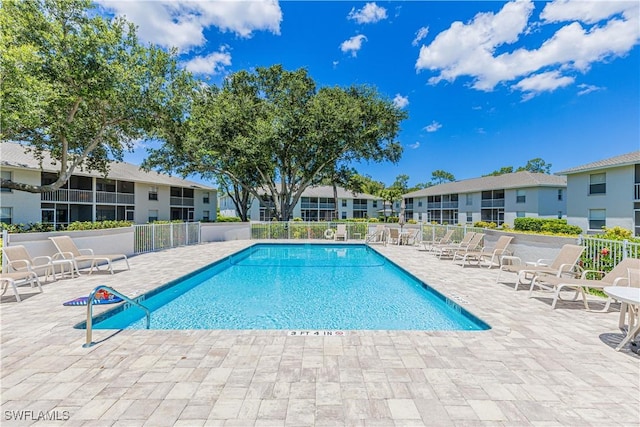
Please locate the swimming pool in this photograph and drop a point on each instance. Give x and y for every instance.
(296, 287)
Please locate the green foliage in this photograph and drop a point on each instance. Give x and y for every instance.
(542, 225)
(26, 228)
(278, 124)
(82, 86)
(439, 177)
(392, 219)
(536, 165)
(485, 224)
(98, 225)
(374, 220)
(618, 233)
(412, 221)
(228, 219)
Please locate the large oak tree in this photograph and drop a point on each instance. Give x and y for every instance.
(280, 125)
(82, 87)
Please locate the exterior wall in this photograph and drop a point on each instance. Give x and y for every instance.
(25, 206)
(548, 204)
(199, 206)
(617, 201)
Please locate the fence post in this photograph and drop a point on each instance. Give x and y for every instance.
(625, 248)
(153, 237)
(170, 234)
(5, 242)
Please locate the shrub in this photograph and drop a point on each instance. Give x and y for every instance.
(228, 219)
(98, 225)
(392, 219)
(373, 220)
(26, 228)
(485, 224)
(412, 221)
(616, 233)
(546, 225)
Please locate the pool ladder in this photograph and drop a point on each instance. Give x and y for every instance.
(89, 342)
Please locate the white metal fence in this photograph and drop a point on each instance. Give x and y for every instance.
(603, 255)
(155, 237)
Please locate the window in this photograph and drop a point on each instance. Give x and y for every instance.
(469, 218)
(153, 215)
(344, 203)
(375, 203)
(343, 215)
(6, 175)
(105, 185)
(521, 196)
(469, 198)
(420, 204)
(205, 215)
(598, 183)
(205, 199)
(559, 194)
(597, 219)
(559, 214)
(520, 214)
(6, 215)
(153, 193)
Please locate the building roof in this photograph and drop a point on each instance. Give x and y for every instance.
(523, 179)
(14, 155)
(617, 161)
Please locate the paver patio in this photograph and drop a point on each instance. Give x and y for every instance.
(536, 366)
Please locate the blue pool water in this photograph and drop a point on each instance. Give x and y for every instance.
(297, 286)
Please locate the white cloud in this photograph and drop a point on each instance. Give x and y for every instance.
(335, 64)
(181, 24)
(585, 89)
(400, 101)
(470, 49)
(414, 146)
(420, 34)
(369, 14)
(434, 126)
(543, 82)
(214, 63)
(353, 45)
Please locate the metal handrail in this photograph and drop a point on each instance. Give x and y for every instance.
(89, 342)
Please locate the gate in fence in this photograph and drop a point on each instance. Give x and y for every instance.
(155, 237)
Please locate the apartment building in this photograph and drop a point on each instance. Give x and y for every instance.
(605, 193)
(316, 204)
(499, 199)
(127, 193)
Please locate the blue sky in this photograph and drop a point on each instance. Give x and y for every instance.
(485, 84)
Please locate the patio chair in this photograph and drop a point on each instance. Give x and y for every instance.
(68, 250)
(393, 235)
(444, 240)
(563, 264)
(618, 276)
(439, 248)
(377, 236)
(491, 257)
(19, 259)
(411, 238)
(16, 279)
(474, 245)
(468, 243)
(341, 232)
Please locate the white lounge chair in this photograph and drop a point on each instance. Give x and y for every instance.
(341, 233)
(490, 256)
(16, 279)
(620, 275)
(444, 240)
(563, 264)
(466, 245)
(68, 250)
(19, 259)
(377, 236)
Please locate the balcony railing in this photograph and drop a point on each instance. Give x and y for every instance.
(181, 201)
(442, 205)
(64, 195)
(493, 203)
(115, 198)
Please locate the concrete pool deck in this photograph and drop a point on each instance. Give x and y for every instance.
(536, 366)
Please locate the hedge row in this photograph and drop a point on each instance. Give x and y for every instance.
(556, 226)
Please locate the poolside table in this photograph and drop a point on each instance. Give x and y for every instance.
(627, 296)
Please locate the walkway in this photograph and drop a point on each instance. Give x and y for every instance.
(536, 366)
